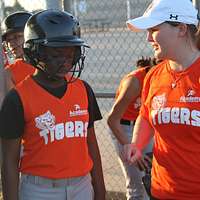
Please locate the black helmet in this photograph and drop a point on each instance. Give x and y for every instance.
(14, 22)
(53, 28)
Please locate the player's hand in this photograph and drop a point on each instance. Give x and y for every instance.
(131, 153)
(144, 164)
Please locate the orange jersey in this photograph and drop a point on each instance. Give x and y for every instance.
(20, 70)
(132, 110)
(172, 106)
(55, 133)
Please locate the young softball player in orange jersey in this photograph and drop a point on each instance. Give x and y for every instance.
(13, 38)
(47, 120)
(170, 100)
(121, 121)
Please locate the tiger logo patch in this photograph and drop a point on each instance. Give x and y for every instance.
(45, 121)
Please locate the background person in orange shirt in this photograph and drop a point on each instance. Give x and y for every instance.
(121, 121)
(13, 39)
(171, 100)
(52, 113)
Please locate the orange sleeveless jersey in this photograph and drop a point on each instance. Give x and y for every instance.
(55, 133)
(172, 105)
(20, 70)
(132, 110)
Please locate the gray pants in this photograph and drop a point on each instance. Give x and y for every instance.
(133, 176)
(39, 188)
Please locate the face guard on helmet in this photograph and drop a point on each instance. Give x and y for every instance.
(54, 29)
(12, 29)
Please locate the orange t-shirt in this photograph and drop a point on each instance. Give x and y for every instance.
(20, 70)
(132, 110)
(55, 133)
(172, 106)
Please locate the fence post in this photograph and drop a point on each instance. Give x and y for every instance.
(196, 3)
(53, 4)
(67, 5)
(2, 6)
(128, 11)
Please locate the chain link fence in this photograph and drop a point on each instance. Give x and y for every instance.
(113, 53)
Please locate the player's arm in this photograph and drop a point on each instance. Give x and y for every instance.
(11, 129)
(142, 134)
(143, 131)
(130, 89)
(9, 169)
(97, 172)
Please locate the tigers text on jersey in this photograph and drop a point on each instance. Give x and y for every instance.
(176, 115)
(172, 106)
(132, 110)
(50, 131)
(55, 134)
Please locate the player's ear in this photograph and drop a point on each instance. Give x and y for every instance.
(183, 28)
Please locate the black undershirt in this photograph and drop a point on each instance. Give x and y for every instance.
(12, 114)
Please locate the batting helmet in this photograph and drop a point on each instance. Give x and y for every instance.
(53, 28)
(14, 22)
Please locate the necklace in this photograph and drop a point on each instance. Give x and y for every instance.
(173, 85)
(175, 80)
(177, 76)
